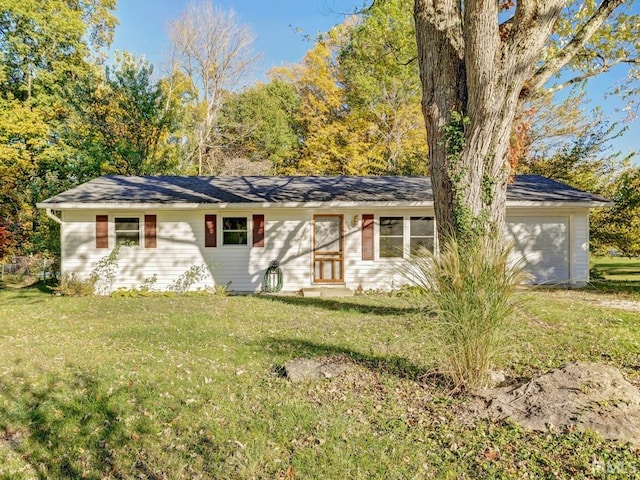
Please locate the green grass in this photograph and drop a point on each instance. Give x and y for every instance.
(181, 387)
(622, 269)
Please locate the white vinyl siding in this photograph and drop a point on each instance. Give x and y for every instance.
(579, 260)
(555, 245)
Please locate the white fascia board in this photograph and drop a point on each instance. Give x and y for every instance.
(224, 206)
(587, 204)
(264, 205)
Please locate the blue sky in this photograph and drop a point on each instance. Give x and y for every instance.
(280, 27)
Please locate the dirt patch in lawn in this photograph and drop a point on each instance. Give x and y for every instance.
(585, 396)
(578, 395)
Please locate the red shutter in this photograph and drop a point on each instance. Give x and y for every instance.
(102, 231)
(258, 230)
(210, 237)
(150, 231)
(367, 236)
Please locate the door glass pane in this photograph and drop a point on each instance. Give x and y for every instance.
(327, 234)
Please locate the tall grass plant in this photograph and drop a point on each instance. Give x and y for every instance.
(471, 289)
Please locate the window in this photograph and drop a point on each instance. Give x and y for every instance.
(234, 231)
(422, 234)
(391, 237)
(127, 230)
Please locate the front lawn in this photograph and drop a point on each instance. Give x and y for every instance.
(623, 269)
(191, 387)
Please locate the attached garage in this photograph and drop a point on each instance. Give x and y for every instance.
(542, 244)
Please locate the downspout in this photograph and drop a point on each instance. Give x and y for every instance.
(53, 217)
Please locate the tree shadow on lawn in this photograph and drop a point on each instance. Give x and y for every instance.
(390, 365)
(29, 294)
(65, 427)
(344, 306)
(614, 286)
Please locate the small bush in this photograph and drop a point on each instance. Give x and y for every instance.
(222, 289)
(72, 286)
(195, 274)
(471, 290)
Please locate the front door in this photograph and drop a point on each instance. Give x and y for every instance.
(328, 245)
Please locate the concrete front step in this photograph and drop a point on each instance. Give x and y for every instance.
(327, 292)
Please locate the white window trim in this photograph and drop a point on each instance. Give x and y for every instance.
(406, 235)
(114, 234)
(409, 236)
(379, 237)
(249, 220)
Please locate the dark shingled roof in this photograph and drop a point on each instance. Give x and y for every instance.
(279, 189)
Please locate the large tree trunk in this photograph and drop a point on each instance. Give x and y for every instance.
(473, 71)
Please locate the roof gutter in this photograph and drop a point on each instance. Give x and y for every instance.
(319, 204)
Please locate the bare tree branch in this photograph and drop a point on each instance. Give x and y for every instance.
(555, 64)
(214, 52)
(592, 73)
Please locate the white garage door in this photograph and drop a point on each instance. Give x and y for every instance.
(542, 243)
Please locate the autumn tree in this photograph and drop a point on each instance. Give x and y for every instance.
(127, 120)
(213, 51)
(379, 73)
(359, 98)
(46, 46)
(479, 61)
(332, 141)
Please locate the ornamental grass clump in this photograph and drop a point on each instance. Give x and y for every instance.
(471, 289)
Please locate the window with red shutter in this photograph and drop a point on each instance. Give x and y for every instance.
(150, 231)
(367, 236)
(210, 232)
(258, 230)
(102, 231)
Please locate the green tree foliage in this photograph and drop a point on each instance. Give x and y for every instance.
(258, 124)
(128, 121)
(45, 46)
(589, 164)
(45, 43)
(619, 227)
